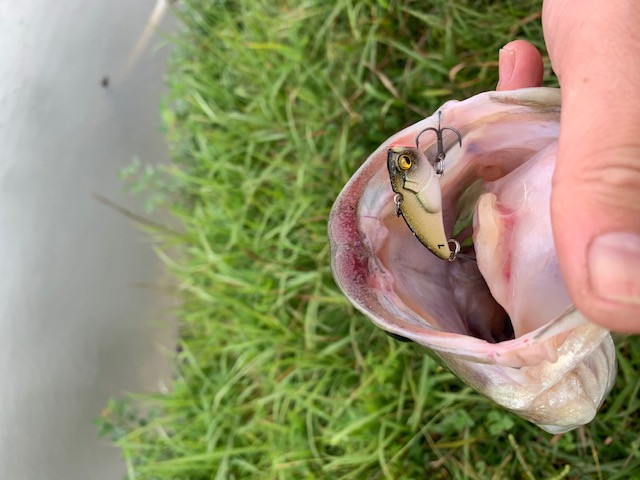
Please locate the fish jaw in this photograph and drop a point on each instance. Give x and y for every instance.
(557, 395)
(556, 371)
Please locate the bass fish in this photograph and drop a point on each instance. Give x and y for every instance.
(504, 323)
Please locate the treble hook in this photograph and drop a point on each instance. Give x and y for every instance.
(439, 164)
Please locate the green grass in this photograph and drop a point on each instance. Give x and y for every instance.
(272, 107)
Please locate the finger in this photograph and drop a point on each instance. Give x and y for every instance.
(595, 201)
(520, 66)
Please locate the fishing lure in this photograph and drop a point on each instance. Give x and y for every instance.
(418, 196)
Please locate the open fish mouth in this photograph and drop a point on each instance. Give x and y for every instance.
(504, 323)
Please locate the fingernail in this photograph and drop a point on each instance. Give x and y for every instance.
(506, 64)
(614, 267)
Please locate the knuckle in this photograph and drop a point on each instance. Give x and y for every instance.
(610, 178)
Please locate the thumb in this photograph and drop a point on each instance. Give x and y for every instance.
(520, 66)
(595, 201)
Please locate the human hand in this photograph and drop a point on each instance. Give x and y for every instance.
(594, 47)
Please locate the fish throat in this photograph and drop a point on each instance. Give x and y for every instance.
(495, 191)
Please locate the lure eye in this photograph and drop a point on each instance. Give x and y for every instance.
(404, 162)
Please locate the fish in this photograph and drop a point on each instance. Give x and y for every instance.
(500, 316)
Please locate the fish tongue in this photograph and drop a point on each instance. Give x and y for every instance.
(514, 245)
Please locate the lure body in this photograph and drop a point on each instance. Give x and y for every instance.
(418, 197)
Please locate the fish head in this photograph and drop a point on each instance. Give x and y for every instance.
(409, 169)
(504, 324)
